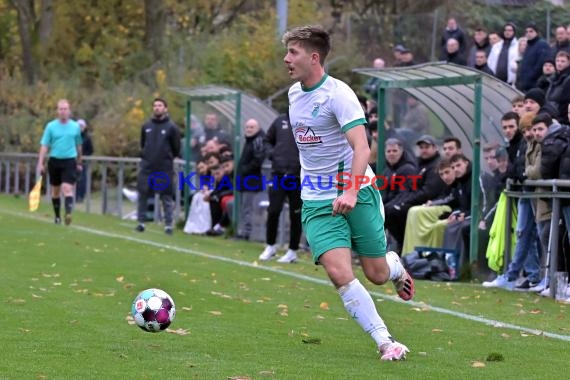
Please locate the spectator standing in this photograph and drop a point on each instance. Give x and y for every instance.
(452, 31)
(282, 151)
(481, 62)
(453, 53)
(87, 150)
(562, 43)
(160, 145)
(504, 54)
(480, 42)
(249, 175)
(558, 95)
(536, 53)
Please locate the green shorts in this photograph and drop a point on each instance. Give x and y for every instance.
(361, 230)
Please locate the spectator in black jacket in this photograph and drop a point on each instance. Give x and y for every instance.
(480, 42)
(249, 175)
(548, 71)
(460, 203)
(562, 43)
(400, 167)
(481, 62)
(536, 52)
(160, 145)
(516, 144)
(558, 95)
(454, 53)
(282, 151)
(429, 186)
(86, 150)
(452, 31)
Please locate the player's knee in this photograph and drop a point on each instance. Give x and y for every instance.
(377, 277)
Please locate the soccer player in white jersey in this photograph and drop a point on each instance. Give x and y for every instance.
(328, 125)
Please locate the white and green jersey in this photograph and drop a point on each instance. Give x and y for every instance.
(319, 117)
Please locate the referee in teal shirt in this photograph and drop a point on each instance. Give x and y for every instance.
(62, 139)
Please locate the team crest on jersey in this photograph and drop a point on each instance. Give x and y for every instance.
(306, 136)
(316, 110)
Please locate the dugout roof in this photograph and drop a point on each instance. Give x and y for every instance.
(449, 91)
(231, 103)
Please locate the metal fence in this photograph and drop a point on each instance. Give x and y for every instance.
(559, 189)
(105, 179)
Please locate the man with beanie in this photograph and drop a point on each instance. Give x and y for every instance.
(534, 100)
(62, 139)
(504, 54)
(536, 53)
(160, 144)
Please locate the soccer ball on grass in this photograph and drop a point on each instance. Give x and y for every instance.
(153, 310)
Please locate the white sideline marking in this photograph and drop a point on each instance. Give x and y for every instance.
(470, 317)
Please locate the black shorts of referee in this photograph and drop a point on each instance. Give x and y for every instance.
(62, 170)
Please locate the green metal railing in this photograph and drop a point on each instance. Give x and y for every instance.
(559, 189)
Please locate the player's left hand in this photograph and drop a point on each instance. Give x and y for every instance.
(344, 204)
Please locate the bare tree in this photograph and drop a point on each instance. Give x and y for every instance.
(155, 26)
(26, 19)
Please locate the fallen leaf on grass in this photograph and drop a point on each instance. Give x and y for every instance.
(455, 303)
(324, 306)
(319, 317)
(21, 329)
(130, 320)
(16, 301)
(215, 312)
(535, 311)
(524, 335)
(36, 296)
(120, 278)
(266, 373)
(178, 331)
(187, 308)
(282, 306)
(421, 353)
(239, 378)
(477, 364)
(505, 335)
(436, 330)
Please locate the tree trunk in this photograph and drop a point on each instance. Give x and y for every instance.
(46, 21)
(26, 18)
(155, 26)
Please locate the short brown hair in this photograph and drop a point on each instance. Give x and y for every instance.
(311, 37)
(444, 163)
(490, 147)
(517, 99)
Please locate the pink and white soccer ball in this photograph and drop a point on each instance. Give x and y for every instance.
(153, 310)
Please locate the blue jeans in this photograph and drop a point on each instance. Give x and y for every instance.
(526, 249)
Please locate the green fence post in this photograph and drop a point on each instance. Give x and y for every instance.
(476, 167)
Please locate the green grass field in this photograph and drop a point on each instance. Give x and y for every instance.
(67, 291)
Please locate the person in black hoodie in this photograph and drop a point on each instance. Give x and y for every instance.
(480, 42)
(281, 149)
(160, 145)
(400, 167)
(249, 175)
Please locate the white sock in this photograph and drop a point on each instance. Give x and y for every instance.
(360, 306)
(396, 267)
